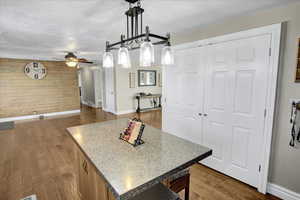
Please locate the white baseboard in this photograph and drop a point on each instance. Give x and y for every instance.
(37, 116)
(90, 104)
(282, 192)
(125, 112)
(120, 112)
(106, 110)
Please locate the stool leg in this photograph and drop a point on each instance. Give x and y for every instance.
(187, 189)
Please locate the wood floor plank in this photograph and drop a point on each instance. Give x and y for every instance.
(37, 157)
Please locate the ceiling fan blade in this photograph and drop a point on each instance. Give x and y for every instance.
(89, 62)
(83, 60)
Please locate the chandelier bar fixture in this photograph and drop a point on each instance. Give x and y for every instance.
(137, 39)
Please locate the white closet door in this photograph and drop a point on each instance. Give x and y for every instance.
(235, 98)
(183, 92)
(216, 104)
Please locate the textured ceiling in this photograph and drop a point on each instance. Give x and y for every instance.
(43, 29)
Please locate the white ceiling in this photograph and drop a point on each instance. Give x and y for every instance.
(43, 29)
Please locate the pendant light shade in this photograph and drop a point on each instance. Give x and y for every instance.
(108, 60)
(123, 58)
(146, 54)
(167, 56)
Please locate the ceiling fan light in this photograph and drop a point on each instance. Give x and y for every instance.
(146, 54)
(124, 58)
(167, 56)
(71, 62)
(108, 60)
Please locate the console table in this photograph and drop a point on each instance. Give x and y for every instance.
(154, 97)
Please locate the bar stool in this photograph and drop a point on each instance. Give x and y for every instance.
(180, 181)
(157, 192)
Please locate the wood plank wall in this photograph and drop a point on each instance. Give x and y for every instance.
(20, 95)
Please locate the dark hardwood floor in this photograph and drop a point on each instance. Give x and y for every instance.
(37, 158)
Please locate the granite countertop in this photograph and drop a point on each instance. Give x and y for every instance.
(129, 170)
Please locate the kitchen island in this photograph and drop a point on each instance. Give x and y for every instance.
(109, 168)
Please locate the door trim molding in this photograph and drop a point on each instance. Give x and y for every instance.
(275, 32)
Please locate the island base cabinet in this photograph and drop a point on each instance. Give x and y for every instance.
(110, 195)
(91, 185)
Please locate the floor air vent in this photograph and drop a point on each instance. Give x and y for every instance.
(32, 197)
(7, 125)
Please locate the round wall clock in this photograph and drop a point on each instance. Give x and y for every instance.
(35, 70)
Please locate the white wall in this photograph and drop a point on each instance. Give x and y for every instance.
(125, 95)
(125, 101)
(285, 161)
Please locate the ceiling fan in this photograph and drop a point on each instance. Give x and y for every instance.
(72, 60)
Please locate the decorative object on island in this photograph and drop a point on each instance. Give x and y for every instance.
(146, 78)
(131, 80)
(35, 70)
(298, 64)
(133, 133)
(153, 98)
(136, 39)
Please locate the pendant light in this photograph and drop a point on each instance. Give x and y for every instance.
(108, 59)
(167, 55)
(138, 39)
(146, 51)
(123, 55)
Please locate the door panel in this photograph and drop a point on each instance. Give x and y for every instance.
(235, 96)
(243, 94)
(216, 104)
(250, 66)
(240, 145)
(184, 95)
(214, 140)
(218, 90)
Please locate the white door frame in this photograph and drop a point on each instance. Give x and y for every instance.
(112, 79)
(275, 32)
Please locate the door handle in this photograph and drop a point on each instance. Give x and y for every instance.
(200, 114)
(205, 115)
